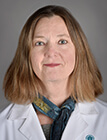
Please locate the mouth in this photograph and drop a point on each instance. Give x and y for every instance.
(52, 65)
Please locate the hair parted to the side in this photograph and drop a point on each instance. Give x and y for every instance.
(21, 85)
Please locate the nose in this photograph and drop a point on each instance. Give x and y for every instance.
(51, 50)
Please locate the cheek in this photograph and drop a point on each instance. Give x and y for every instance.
(35, 61)
(70, 58)
(71, 63)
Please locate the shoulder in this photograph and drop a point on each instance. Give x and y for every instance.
(101, 103)
(94, 112)
(6, 111)
(101, 106)
(14, 111)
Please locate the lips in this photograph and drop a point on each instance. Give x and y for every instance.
(52, 65)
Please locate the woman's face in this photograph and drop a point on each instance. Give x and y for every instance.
(53, 53)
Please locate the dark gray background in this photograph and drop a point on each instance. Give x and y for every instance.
(91, 14)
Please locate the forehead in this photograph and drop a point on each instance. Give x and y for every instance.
(51, 24)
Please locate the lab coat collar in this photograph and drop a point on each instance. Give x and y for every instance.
(31, 127)
(22, 111)
(19, 112)
(87, 108)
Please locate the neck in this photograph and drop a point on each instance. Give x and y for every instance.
(56, 92)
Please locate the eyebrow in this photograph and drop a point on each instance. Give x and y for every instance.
(39, 36)
(60, 35)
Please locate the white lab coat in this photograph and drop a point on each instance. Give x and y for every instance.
(20, 122)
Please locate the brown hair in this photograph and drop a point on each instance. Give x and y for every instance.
(21, 84)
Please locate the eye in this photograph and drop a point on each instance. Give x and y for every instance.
(39, 43)
(62, 42)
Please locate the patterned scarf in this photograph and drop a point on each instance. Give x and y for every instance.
(59, 115)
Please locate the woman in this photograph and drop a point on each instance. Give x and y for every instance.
(53, 83)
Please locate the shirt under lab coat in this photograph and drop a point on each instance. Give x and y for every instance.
(87, 122)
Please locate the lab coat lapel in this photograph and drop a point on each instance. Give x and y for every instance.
(77, 124)
(73, 129)
(30, 126)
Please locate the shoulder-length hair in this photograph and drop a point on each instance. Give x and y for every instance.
(21, 85)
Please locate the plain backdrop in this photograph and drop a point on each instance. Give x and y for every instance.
(91, 14)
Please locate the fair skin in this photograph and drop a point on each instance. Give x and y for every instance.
(53, 60)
